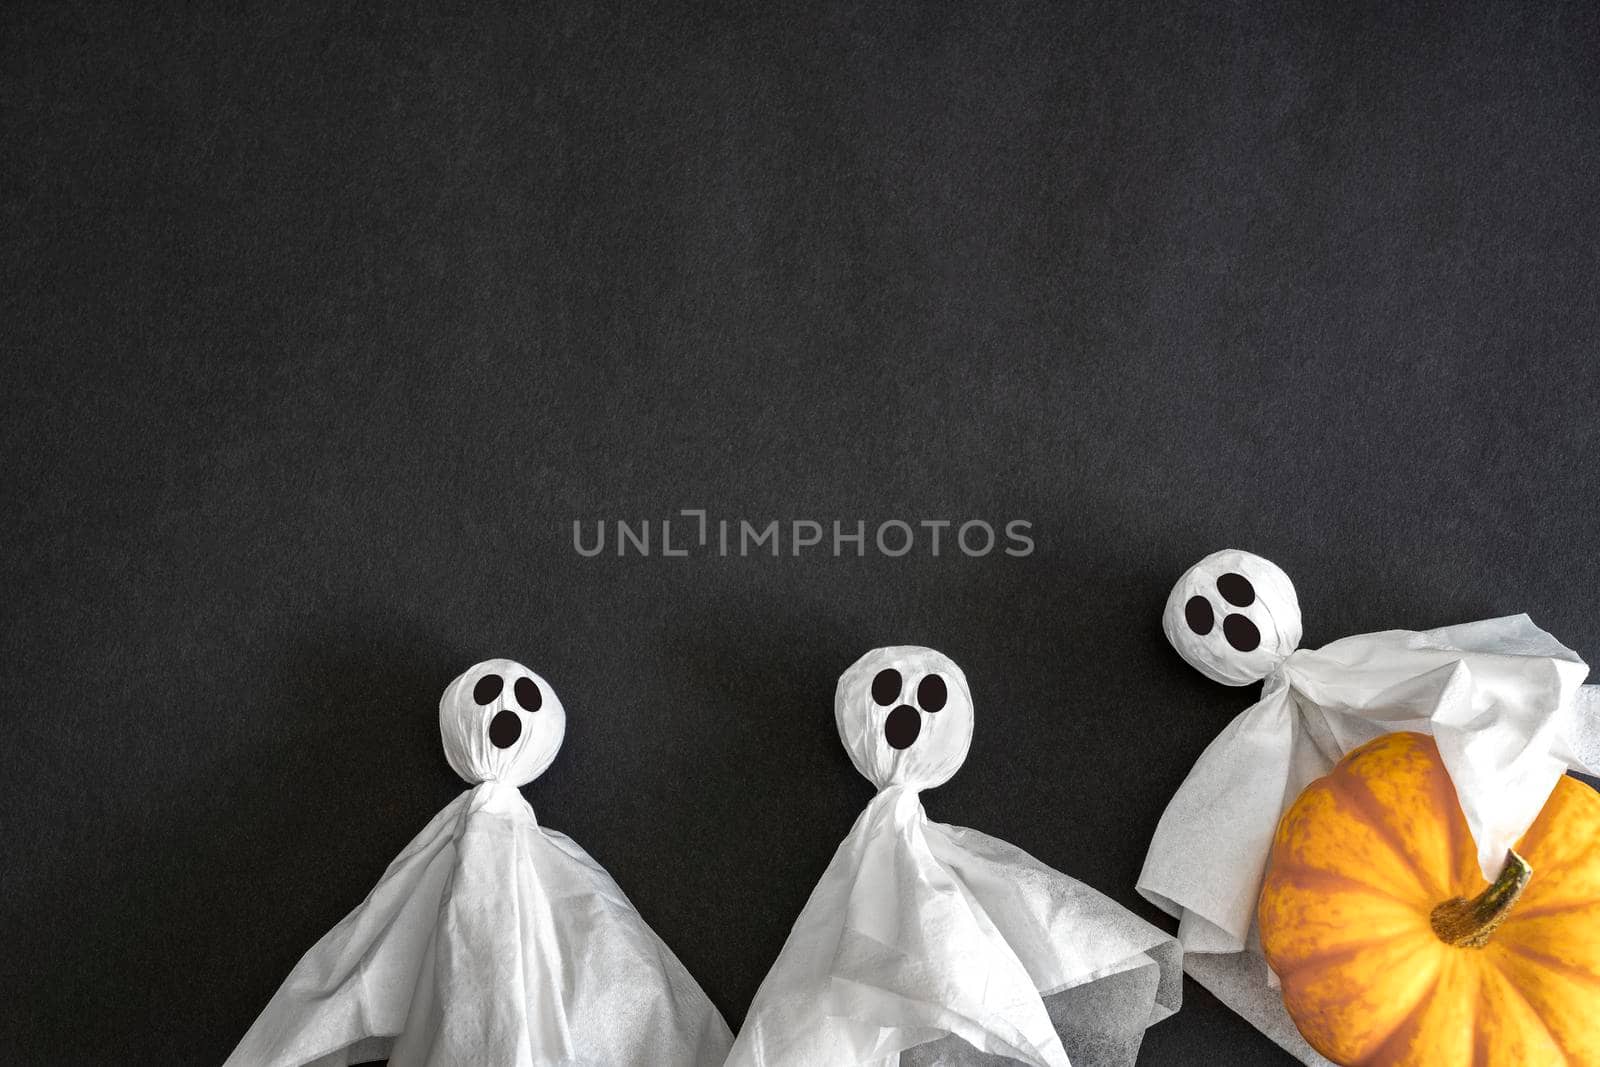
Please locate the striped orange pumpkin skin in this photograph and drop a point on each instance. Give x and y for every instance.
(1359, 864)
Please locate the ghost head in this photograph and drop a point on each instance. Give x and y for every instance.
(905, 716)
(500, 722)
(1234, 617)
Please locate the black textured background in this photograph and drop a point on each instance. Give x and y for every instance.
(320, 329)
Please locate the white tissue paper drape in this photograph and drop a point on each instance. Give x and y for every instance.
(929, 944)
(1503, 700)
(490, 941)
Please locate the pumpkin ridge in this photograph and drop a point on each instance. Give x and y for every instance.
(1408, 1025)
(1448, 804)
(1555, 1038)
(1306, 876)
(1539, 911)
(1353, 788)
(1533, 955)
(1558, 811)
(1344, 953)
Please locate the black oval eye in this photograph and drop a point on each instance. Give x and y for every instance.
(886, 687)
(1197, 612)
(487, 689)
(1241, 633)
(505, 728)
(1236, 590)
(902, 726)
(931, 693)
(528, 694)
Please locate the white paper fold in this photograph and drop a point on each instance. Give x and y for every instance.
(490, 940)
(1503, 699)
(925, 943)
(1581, 746)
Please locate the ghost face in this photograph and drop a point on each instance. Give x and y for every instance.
(905, 716)
(1234, 617)
(500, 722)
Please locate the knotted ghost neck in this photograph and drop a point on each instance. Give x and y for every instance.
(1278, 663)
(499, 798)
(900, 804)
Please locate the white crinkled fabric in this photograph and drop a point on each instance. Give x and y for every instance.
(930, 944)
(490, 940)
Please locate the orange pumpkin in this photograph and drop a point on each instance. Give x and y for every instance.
(1391, 947)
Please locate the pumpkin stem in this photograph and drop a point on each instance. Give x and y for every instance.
(1468, 923)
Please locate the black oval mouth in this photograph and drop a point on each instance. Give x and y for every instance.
(902, 726)
(1241, 633)
(505, 728)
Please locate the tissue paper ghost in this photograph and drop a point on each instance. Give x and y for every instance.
(490, 940)
(933, 944)
(1503, 700)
